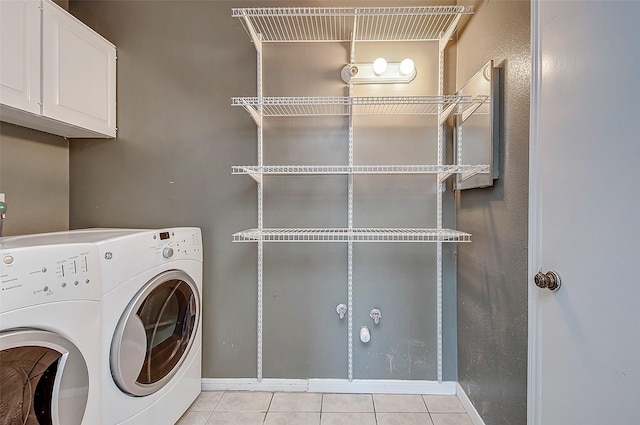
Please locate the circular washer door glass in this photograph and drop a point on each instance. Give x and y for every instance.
(155, 333)
(44, 379)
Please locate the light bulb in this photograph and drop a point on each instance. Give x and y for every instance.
(379, 66)
(406, 66)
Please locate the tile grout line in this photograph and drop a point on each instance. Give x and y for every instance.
(217, 402)
(375, 412)
(264, 420)
(427, 407)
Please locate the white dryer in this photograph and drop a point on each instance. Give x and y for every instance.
(50, 329)
(151, 325)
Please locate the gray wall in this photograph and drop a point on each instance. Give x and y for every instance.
(179, 63)
(492, 271)
(34, 176)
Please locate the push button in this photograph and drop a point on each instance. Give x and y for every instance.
(7, 259)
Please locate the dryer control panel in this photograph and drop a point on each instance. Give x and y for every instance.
(178, 243)
(45, 274)
(124, 257)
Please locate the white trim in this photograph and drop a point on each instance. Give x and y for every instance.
(534, 243)
(381, 386)
(252, 384)
(357, 386)
(468, 406)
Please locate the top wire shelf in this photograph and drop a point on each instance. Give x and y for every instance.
(318, 24)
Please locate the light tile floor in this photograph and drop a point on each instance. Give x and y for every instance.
(265, 408)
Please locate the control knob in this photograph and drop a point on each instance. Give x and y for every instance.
(167, 252)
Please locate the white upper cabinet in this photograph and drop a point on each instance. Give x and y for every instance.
(20, 55)
(78, 73)
(76, 84)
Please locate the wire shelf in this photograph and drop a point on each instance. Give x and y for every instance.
(342, 106)
(319, 24)
(358, 169)
(351, 235)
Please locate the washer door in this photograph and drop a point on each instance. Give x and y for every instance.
(155, 333)
(44, 379)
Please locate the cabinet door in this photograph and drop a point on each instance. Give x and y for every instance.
(79, 73)
(20, 55)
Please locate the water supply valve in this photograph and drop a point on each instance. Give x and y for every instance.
(3, 211)
(376, 315)
(3, 207)
(341, 309)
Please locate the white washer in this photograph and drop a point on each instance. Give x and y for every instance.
(151, 325)
(50, 328)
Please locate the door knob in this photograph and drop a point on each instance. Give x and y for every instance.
(549, 280)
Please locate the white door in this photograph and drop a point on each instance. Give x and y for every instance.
(584, 352)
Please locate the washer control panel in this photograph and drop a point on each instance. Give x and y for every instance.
(45, 274)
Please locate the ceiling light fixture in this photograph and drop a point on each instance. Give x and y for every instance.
(379, 72)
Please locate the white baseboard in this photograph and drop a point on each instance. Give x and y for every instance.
(252, 384)
(384, 386)
(468, 406)
(375, 386)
